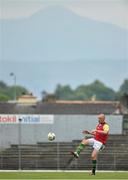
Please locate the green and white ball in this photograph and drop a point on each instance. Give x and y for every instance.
(51, 136)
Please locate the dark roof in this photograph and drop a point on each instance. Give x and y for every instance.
(63, 107)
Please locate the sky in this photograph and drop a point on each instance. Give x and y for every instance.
(111, 11)
(108, 11)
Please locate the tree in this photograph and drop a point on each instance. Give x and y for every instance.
(19, 91)
(101, 91)
(64, 92)
(4, 98)
(124, 87)
(3, 85)
(7, 92)
(94, 91)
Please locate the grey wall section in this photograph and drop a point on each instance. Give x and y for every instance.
(66, 128)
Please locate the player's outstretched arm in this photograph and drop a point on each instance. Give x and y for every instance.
(87, 132)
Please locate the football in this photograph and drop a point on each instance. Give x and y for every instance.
(51, 136)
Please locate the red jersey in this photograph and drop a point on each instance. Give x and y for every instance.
(99, 136)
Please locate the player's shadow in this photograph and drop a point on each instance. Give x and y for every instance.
(71, 163)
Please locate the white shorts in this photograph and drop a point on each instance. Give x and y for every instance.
(96, 144)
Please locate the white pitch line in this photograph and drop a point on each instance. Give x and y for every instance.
(62, 179)
(61, 171)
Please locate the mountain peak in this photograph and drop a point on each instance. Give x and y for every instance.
(54, 11)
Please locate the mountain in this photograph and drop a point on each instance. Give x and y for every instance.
(57, 34)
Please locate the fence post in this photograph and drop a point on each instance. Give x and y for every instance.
(19, 149)
(114, 161)
(58, 156)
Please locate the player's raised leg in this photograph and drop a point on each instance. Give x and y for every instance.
(81, 146)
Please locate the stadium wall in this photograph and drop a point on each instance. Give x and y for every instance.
(33, 128)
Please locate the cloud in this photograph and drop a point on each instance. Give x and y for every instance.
(110, 11)
(10, 9)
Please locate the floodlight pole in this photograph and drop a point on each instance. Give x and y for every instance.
(14, 76)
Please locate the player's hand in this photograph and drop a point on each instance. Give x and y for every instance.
(93, 132)
(85, 132)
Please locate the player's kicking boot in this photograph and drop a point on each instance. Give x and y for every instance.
(78, 150)
(75, 154)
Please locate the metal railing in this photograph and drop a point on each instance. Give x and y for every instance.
(56, 156)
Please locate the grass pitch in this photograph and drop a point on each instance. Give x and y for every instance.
(63, 175)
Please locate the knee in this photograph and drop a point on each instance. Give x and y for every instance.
(84, 141)
(93, 157)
